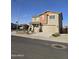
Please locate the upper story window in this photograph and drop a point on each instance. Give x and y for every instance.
(52, 17)
(37, 19)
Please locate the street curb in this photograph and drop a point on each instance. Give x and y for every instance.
(39, 38)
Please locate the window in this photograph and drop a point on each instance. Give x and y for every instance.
(37, 19)
(52, 17)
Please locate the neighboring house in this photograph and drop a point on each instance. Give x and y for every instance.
(48, 22)
(19, 27)
(23, 27)
(13, 26)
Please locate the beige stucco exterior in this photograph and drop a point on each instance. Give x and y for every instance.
(50, 29)
(49, 25)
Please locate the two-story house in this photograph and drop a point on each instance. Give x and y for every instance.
(48, 22)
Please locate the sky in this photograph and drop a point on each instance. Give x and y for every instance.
(23, 10)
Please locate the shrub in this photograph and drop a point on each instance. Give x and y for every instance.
(56, 34)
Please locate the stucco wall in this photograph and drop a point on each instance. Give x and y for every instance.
(36, 29)
(52, 26)
(50, 29)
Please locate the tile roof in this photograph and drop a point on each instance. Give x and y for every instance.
(46, 12)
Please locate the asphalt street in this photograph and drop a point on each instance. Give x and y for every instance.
(27, 48)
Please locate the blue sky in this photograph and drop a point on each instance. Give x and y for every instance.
(23, 10)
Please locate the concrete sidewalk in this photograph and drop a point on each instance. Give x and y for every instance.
(44, 36)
